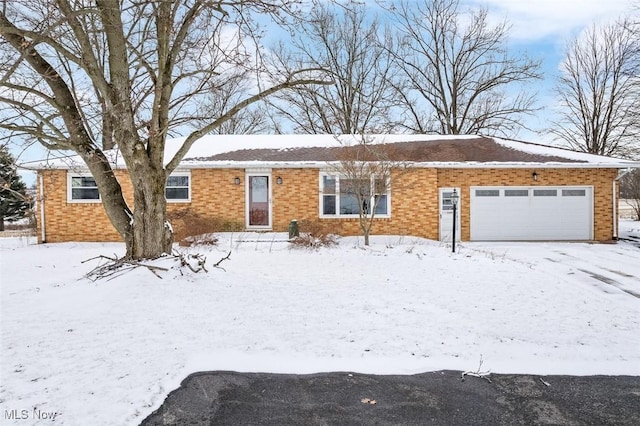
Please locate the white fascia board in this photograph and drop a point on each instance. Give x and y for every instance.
(76, 166)
(72, 163)
(526, 165)
(436, 165)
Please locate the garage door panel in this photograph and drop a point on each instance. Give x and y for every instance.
(531, 213)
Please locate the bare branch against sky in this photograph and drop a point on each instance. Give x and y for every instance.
(459, 76)
(599, 91)
(83, 76)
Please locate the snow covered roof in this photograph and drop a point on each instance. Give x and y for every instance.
(452, 151)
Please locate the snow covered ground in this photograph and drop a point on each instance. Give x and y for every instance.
(108, 352)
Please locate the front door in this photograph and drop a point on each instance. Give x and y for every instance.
(446, 214)
(258, 214)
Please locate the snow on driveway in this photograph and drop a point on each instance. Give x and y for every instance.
(612, 269)
(108, 352)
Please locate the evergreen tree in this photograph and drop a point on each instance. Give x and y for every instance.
(13, 192)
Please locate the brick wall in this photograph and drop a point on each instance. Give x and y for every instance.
(216, 201)
(75, 221)
(600, 179)
(297, 197)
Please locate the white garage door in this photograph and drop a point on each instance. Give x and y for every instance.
(531, 213)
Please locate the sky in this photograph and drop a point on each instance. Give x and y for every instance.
(539, 28)
(542, 29)
(537, 20)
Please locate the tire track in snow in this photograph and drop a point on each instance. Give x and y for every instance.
(603, 274)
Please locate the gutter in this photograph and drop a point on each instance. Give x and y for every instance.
(188, 164)
(614, 196)
(42, 223)
(224, 164)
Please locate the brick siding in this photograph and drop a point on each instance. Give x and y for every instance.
(217, 201)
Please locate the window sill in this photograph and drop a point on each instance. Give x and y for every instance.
(355, 217)
(98, 201)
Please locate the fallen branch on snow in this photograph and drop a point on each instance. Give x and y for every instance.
(478, 373)
(217, 264)
(187, 259)
(118, 266)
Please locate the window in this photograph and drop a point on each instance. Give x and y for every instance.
(82, 188)
(574, 193)
(339, 196)
(545, 192)
(328, 195)
(487, 192)
(178, 188)
(516, 192)
(350, 191)
(446, 201)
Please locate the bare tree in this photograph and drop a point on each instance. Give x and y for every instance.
(364, 173)
(599, 91)
(630, 191)
(349, 43)
(459, 75)
(84, 75)
(224, 94)
(253, 119)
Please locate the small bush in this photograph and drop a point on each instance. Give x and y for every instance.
(314, 234)
(27, 223)
(199, 240)
(195, 229)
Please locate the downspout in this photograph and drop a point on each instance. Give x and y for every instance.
(43, 234)
(615, 208)
(615, 201)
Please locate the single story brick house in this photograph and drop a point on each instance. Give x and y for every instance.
(509, 190)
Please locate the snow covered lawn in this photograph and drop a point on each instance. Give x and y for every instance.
(108, 352)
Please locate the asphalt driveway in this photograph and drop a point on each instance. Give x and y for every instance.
(436, 398)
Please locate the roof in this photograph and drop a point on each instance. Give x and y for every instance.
(452, 151)
(481, 149)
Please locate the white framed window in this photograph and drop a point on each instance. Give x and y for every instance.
(339, 196)
(82, 188)
(178, 187)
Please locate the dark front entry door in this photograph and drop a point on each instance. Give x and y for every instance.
(258, 200)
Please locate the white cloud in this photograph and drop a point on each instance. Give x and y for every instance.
(538, 19)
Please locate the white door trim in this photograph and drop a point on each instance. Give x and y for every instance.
(247, 191)
(445, 214)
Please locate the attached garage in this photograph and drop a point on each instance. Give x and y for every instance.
(504, 189)
(518, 213)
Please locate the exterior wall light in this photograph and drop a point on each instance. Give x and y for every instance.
(236, 181)
(279, 180)
(534, 176)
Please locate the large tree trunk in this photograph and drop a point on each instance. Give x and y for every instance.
(144, 230)
(152, 235)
